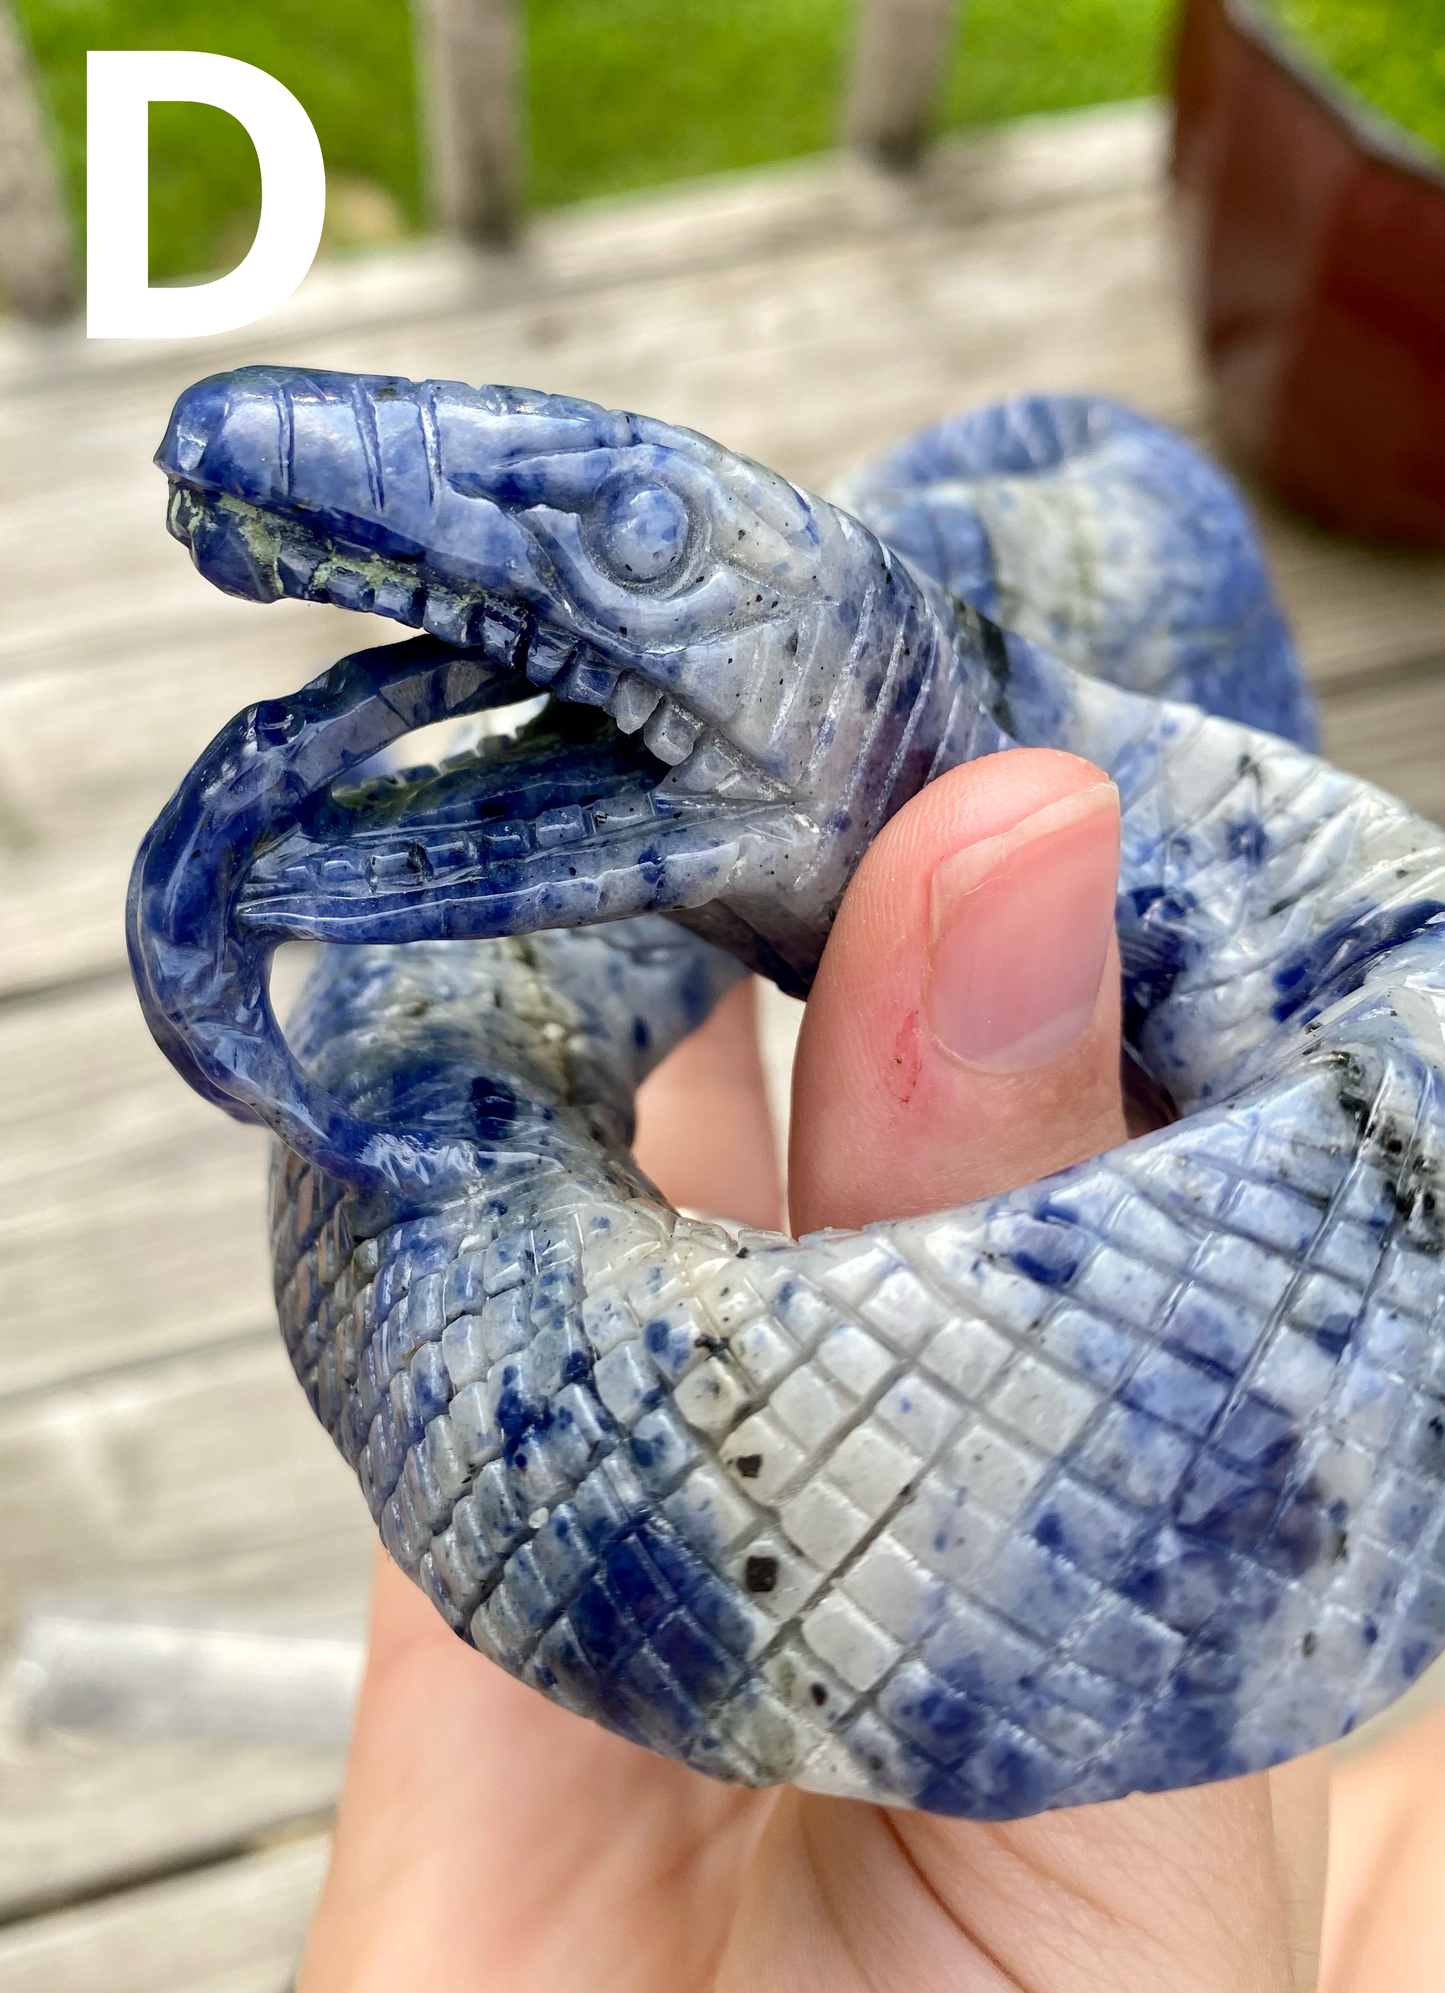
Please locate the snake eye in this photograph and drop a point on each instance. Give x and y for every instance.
(641, 535)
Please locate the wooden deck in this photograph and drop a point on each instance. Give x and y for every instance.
(155, 1455)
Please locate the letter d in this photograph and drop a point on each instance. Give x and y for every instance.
(121, 85)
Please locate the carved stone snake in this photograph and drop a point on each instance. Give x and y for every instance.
(1125, 1480)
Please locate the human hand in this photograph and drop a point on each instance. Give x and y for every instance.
(963, 1037)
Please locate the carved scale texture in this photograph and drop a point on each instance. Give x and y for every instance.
(1125, 1480)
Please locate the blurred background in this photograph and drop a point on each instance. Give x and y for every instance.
(806, 227)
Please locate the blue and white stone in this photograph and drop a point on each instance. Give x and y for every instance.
(1125, 1480)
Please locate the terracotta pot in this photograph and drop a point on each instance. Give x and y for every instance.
(1315, 233)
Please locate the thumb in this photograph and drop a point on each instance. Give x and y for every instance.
(962, 1036)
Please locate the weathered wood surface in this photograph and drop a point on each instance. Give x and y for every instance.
(37, 251)
(201, 1475)
(200, 1478)
(131, 1220)
(151, 1440)
(234, 1928)
(83, 1819)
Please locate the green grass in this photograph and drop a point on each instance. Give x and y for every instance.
(621, 93)
(1391, 51)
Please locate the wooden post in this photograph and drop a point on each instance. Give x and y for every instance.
(899, 58)
(469, 69)
(37, 250)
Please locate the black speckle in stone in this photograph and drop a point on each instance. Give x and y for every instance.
(1049, 1531)
(760, 1574)
(1387, 1140)
(818, 1692)
(749, 1465)
(1427, 1449)
(1310, 1642)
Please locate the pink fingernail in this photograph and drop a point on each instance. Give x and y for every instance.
(1020, 930)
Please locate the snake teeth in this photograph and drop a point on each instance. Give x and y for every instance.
(399, 600)
(671, 732)
(586, 681)
(713, 768)
(547, 655)
(632, 701)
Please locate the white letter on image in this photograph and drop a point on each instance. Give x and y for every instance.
(121, 85)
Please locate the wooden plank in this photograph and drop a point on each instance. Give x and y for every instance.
(200, 1476)
(900, 57)
(1358, 611)
(132, 1215)
(235, 1928)
(470, 71)
(192, 1487)
(79, 1819)
(1393, 735)
(37, 252)
(631, 241)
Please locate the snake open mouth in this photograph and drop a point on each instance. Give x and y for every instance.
(616, 798)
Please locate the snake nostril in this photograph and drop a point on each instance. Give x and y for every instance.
(642, 534)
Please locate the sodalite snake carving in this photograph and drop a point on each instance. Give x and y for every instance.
(1125, 1480)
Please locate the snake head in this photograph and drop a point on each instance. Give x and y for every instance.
(761, 682)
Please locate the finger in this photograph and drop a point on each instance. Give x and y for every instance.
(704, 1133)
(963, 1033)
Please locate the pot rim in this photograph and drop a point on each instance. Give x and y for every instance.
(1374, 130)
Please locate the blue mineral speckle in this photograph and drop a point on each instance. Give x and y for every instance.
(1156, 946)
(1335, 962)
(1247, 840)
(1050, 1254)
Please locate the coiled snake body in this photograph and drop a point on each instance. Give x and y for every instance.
(1125, 1480)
